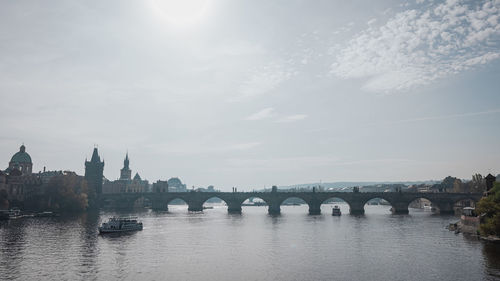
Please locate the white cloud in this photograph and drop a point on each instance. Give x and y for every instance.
(416, 47)
(263, 114)
(263, 80)
(292, 118)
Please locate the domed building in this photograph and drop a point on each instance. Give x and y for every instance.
(176, 185)
(21, 161)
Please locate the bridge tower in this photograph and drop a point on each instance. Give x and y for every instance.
(93, 172)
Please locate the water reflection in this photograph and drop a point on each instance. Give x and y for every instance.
(12, 247)
(88, 249)
(491, 253)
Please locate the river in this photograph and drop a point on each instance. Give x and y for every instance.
(215, 245)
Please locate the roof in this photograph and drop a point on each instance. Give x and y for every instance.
(95, 156)
(490, 176)
(22, 156)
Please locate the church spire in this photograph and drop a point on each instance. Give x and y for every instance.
(126, 162)
(125, 172)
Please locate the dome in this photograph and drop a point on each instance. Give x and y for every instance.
(22, 156)
(174, 182)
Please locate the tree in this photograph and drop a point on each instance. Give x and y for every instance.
(67, 192)
(478, 184)
(489, 208)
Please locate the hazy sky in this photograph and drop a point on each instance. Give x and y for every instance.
(254, 93)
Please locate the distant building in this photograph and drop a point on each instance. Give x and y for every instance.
(18, 180)
(21, 161)
(94, 172)
(490, 181)
(209, 188)
(176, 185)
(125, 172)
(421, 188)
(45, 176)
(125, 183)
(160, 186)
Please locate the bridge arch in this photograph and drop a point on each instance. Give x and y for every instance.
(368, 203)
(214, 197)
(465, 198)
(372, 198)
(417, 203)
(462, 202)
(167, 204)
(253, 196)
(207, 204)
(292, 198)
(176, 199)
(248, 201)
(342, 201)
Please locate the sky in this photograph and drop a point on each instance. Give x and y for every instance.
(251, 94)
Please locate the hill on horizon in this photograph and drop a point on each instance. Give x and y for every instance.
(344, 184)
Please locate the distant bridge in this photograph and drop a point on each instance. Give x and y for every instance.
(234, 200)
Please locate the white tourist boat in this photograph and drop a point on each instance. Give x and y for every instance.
(336, 211)
(124, 224)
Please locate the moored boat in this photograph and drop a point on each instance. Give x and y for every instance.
(124, 224)
(336, 211)
(46, 214)
(15, 214)
(11, 214)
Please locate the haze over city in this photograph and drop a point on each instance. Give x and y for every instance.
(256, 93)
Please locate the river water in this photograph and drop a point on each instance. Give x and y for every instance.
(215, 245)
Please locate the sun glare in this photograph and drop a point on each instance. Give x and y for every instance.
(182, 12)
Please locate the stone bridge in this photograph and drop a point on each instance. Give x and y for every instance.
(356, 200)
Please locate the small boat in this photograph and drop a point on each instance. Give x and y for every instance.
(125, 224)
(46, 214)
(207, 207)
(14, 214)
(336, 211)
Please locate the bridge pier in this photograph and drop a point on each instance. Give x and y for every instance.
(356, 208)
(274, 209)
(159, 205)
(400, 208)
(314, 208)
(195, 207)
(233, 207)
(446, 208)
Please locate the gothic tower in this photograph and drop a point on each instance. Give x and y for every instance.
(125, 172)
(93, 172)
